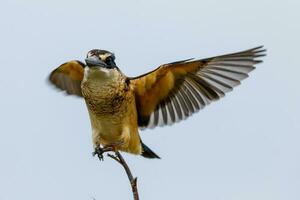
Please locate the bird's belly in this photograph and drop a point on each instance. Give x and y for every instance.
(118, 130)
(108, 129)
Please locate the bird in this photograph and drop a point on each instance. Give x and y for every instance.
(120, 106)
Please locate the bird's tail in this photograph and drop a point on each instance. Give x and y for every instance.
(147, 152)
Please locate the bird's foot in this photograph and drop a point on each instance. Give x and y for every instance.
(99, 151)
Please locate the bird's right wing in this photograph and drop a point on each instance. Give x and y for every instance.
(68, 77)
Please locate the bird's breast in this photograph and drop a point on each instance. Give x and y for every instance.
(104, 92)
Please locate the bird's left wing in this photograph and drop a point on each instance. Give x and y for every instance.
(175, 91)
(68, 77)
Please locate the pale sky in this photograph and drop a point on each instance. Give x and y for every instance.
(243, 147)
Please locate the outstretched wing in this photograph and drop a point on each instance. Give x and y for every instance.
(175, 91)
(68, 77)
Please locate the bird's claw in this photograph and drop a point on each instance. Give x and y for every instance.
(100, 151)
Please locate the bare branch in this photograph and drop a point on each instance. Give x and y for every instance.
(119, 158)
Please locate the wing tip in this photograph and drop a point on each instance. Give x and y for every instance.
(259, 52)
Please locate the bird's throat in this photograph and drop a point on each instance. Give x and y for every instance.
(98, 74)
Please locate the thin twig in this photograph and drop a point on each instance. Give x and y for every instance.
(119, 158)
(133, 180)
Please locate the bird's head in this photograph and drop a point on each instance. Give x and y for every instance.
(100, 58)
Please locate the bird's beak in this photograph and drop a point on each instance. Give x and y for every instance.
(94, 61)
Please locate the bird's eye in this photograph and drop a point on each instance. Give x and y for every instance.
(109, 61)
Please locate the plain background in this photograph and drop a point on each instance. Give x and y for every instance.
(243, 147)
